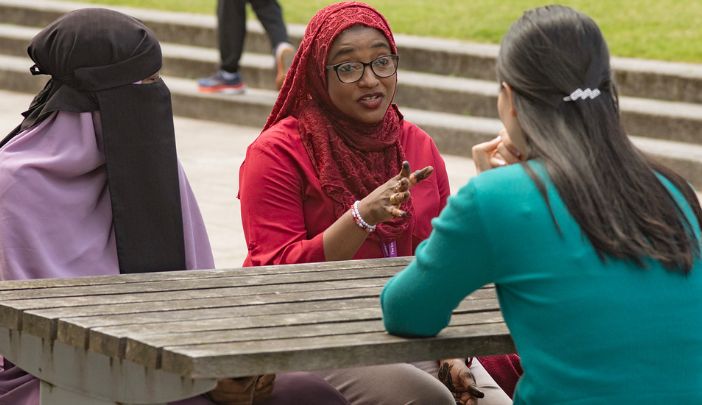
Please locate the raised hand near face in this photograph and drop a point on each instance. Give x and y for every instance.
(384, 202)
(495, 153)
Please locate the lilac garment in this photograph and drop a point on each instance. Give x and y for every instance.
(18, 387)
(56, 216)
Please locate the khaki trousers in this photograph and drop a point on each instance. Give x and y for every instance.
(405, 384)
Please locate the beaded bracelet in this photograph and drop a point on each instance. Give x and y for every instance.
(356, 214)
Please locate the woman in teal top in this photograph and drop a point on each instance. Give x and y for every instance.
(594, 249)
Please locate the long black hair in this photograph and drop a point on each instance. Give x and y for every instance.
(612, 190)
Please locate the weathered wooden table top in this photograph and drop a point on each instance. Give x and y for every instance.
(239, 322)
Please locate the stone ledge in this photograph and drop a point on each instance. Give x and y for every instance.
(637, 78)
(652, 118)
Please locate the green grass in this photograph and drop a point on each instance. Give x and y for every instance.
(651, 29)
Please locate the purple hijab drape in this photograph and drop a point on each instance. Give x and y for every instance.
(56, 217)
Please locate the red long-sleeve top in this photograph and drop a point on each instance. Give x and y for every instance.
(284, 211)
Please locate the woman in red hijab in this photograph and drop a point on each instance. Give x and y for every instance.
(329, 177)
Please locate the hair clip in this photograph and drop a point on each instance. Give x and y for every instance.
(584, 94)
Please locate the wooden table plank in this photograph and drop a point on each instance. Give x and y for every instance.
(352, 301)
(151, 313)
(76, 331)
(111, 340)
(159, 339)
(236, 280)
(179, 295)
(147, 350)
(246, 358)
(9, 285)
(11, 310)
(42, 322)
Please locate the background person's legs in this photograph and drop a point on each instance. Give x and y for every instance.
(270, 15)
(231, 32)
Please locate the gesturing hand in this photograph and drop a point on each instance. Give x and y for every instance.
(242, 391)
(456, 376)
(495, 153)
(384, 202)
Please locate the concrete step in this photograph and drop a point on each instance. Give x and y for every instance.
(675, 121)
(14, 39)
(636, 78)
(453, 134)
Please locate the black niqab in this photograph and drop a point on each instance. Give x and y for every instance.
(95, 57)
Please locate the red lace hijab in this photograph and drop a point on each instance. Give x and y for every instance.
(351, 158)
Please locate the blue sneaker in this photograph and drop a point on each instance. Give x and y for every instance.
(222, 82)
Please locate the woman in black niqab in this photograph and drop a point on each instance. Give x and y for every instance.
(96, 59)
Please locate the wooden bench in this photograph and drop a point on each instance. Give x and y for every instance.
(159, 337)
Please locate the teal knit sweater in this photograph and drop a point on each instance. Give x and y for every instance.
(588, 331)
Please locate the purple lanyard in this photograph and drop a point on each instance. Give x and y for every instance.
(389, 248)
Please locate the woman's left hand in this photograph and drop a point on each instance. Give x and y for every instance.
(456, 376)
(495, 153)
(383, 203)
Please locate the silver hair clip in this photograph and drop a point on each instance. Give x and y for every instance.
(584, 94)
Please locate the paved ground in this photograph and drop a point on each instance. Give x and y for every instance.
(211, 154)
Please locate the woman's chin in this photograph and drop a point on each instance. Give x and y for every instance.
(371, 117)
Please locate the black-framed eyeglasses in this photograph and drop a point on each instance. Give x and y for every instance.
(351, 72)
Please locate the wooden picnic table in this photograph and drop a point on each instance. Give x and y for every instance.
(159, 337)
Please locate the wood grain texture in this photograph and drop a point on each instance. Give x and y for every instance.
(199, 274)
(237, 322)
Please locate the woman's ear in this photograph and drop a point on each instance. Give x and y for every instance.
(509, 98)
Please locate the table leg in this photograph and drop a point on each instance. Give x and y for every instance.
(51, 395)
(68, 372)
